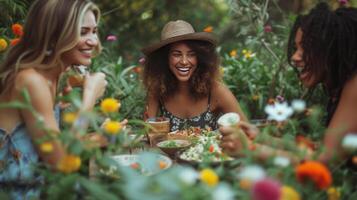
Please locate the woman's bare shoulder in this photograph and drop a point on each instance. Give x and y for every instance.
(29, 78)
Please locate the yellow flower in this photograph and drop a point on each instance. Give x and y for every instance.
(112, 127)
(46, 147)
(288, 193)
(208, 29)
(255, 97)
(109, 105)
(248, 54)
(333, 193)
(221, 70)
(69, 117)
(3, 44)
(70, 163)
(209, 177)
(233, 53)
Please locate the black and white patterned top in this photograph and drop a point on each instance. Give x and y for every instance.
(204, 120)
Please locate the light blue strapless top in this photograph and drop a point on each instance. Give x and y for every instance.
(18, 157)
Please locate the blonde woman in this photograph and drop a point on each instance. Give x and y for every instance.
(58, 34)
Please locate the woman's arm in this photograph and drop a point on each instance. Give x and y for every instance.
(343, 121)
(43, 104)
(225, 101)
(152, 106)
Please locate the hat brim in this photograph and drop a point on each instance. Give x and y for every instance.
(202, 36)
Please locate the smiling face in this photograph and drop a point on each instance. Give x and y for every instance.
(82, 53)
(182, 61)
(306, 77)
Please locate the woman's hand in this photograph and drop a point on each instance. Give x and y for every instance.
(249, 129)
(234, 141)
(94, 88)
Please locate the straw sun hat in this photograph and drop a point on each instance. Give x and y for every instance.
(179, 30)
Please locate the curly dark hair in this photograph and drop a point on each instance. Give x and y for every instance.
(161, 82)
(329, 42)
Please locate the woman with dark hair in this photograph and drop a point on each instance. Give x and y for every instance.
(182, 78)
(323, 49)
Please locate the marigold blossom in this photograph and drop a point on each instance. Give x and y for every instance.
(14, 42)
(333, 193)
(70, 163)
(69, 117)
(17, 29)
(46, 147)
(209, 177)
(289, 193)
(110, 105)
(318, 173)
(112, 127)
(233, 53)
(3, 44)
(208, 29)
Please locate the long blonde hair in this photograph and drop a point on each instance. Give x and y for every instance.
(52, 27)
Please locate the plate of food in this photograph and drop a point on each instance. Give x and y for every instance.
(206, 149)
(172, 146)
(146, 163)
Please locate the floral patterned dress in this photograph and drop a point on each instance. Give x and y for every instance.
(18, 158)
(204, 120)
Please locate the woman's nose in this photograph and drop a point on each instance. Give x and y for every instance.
(92, 40)
(184, 59)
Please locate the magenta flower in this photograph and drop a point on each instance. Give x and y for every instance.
(267, 28)
(280, 98)
(343, 2)
(142, 60)
(266, 189)
(111, 38)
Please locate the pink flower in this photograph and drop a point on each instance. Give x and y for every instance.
(111, 38)
(343, 2)
(142, 60)
(266, 189)
(267, 28)
(280, 98)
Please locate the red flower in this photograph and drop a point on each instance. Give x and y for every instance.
(211, 148)
(14, 42)
(17, 29)
(318, 173)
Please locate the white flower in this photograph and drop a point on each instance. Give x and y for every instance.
(228, 119)
(279, 111)
(223, 192)
(281, 161)
(298, 105)
(349, 142)
(188, 176)
(252, 173)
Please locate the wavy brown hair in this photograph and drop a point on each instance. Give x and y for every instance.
(51, 26)
(162, 83)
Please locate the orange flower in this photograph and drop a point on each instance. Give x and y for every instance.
(208, 29)
(17, 29)
(137, 69)
(14, 42)
(318, 173)
(271, 101)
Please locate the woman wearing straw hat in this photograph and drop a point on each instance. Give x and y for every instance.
(181, 76)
